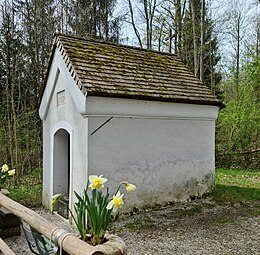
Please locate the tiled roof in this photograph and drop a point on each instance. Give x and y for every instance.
(105, 69)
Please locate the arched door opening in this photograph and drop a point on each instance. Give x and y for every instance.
(61, 169)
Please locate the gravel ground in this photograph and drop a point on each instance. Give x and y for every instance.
(197, 227)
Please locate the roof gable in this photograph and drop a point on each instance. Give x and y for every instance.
(105, 69)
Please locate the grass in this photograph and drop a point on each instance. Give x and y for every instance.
(237, 186)
(27, 190)
(138, 224)
(232, 186)
(225, 220)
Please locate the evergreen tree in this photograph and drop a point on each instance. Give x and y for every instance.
(38, 27)
(12, 68)
(187, 30)
(211, 57)
(26, 34)
(94, 18)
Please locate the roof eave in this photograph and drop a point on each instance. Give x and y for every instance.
(217, 103)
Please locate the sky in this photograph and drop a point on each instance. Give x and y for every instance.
(224, 13)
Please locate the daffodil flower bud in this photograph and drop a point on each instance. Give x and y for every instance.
(130, 187)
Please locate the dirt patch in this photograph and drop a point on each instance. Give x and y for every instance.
(198, 227)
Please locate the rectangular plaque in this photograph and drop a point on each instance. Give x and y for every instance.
(61, 98)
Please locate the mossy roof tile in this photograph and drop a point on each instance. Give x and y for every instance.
(106, 69)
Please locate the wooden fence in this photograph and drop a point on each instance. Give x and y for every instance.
(70, 243)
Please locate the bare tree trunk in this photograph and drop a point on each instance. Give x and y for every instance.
(133, 23)
(211, 61)
(8, 64)
(195, 44)
(13, 114)
(62, 15)
(178, 36)
(149, 9)
(152, 13)
(146, 14)
(257, 37)
(77, 17)
(202, 40)
(237, 68)
(106, 28)
(180, 44)
(160, 35)
(170, 41)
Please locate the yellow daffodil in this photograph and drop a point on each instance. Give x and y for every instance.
(55, 199)
(5, 168)
(11, 172)
(96, 182)
(130, 187)
(116, 202)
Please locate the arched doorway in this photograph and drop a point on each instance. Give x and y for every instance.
(61, 167)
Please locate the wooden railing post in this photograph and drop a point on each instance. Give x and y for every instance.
(70, 243)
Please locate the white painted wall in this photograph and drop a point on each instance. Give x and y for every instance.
(165, 149)
(67, 115)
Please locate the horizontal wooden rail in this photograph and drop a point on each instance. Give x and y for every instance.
(4, 248)
(70, 243)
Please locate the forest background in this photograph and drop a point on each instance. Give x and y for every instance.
(218, 40)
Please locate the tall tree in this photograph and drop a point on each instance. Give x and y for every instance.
(194, 11)
(237, 140)
(149, 11)
(11, 55)
(235, 25)
(38, 25)
(26, 33)
(202, 17)
(187, 31)
(236, 21)
(133, 23)
(146, 10)
(94, 18)
(200, 49)
(174, 14)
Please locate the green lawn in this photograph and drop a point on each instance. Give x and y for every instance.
(231, 186)
(27, 190)
(237, 186)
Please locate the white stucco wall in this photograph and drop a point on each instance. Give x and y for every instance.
(64, 114)
(165, 149)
